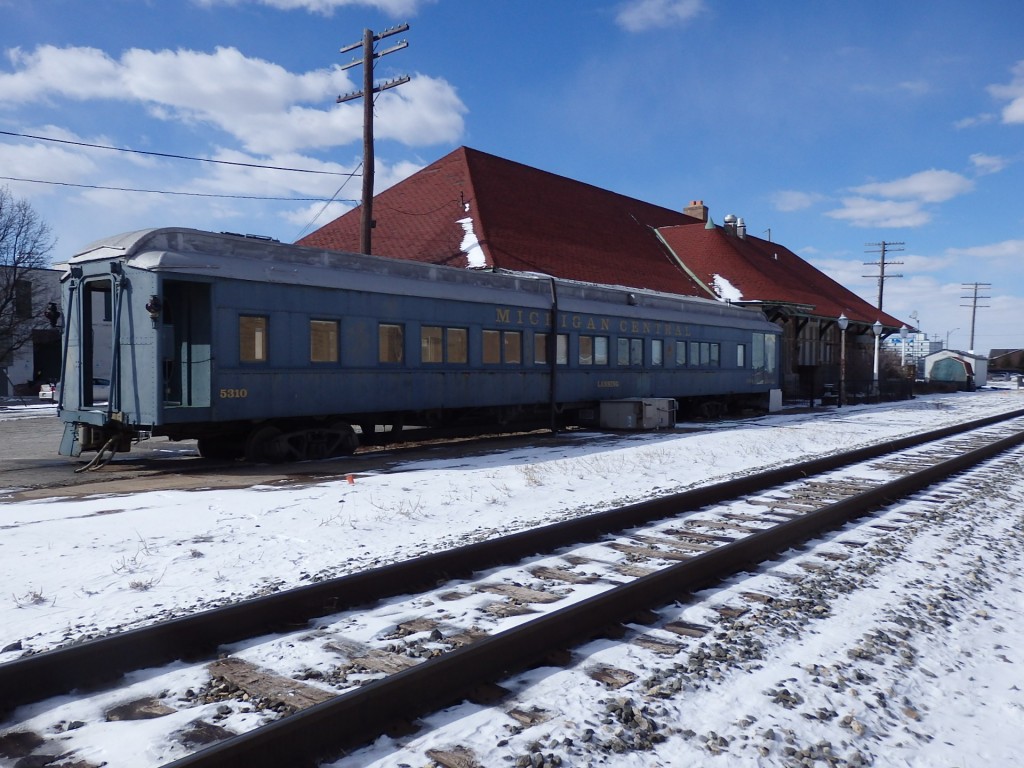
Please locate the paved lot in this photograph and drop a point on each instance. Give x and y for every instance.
(30, 436)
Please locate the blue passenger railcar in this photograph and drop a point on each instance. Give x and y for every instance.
(274, 351)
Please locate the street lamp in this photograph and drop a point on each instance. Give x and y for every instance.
(843, 322)
(903, 345)
(877, 328)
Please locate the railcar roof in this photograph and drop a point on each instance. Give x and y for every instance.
(241, 257)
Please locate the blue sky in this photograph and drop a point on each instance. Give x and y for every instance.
(830, 124)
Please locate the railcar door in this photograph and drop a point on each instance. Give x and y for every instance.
(185, 346)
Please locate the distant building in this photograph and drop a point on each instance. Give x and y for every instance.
(478, 211)
(38, 359)
(953, 366)
(1006, 360)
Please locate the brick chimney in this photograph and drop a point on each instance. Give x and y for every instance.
(697, 209)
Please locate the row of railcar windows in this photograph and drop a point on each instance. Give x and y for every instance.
(451, 345)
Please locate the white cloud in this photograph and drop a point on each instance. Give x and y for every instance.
(1013, 93)
(79, 73)
(263, 105)
(910, 87)
(933, 186)
(640, 15)
(313, 216)
(1006, 250)
(971, 122)
(864, 212)
(985, 164)
(327, 7)
(788, 200)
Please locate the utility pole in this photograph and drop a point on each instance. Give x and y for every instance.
(974, 288)
(369, 38)
(883, 248)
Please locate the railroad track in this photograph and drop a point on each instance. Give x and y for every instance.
(424, 662)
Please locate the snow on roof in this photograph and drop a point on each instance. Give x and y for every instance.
(725, 289)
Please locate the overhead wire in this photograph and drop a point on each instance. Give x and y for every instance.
(172, 192)
(175, 157)
(348, 175)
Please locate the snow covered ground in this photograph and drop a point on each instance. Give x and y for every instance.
(910, 653)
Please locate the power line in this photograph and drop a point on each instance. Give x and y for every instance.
(323, 207)
(175, 157)
(169, 192)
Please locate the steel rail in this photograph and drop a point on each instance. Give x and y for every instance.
(356, 718)
(102, 661)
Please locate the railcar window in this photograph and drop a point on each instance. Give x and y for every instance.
(458, 345)
(501, 346)
(680, 353)
(540, 348)
(513, 345)
(741, 356)
(705, 354)
(492, 346)
(636, 351)
(252, 338)
(431, 338)
(657, 352)
(390, 343)
(439, 345)
(762, 358)
(323, 341)
(593, 350)
(586, 356)
(630, 352)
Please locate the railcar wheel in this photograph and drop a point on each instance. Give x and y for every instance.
(262, 444)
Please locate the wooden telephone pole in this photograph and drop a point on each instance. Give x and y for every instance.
(883, 248)
(974, 288)
(369, 38)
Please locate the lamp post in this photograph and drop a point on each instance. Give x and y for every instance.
(877, 328)
(843, 322)
(903, 345)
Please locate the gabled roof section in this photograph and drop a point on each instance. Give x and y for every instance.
(759, 270)
(522, 219)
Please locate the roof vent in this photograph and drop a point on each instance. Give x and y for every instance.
(741, 229)
(729, 222)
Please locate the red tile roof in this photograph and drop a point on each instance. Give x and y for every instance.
(767, 272)
(528, 219)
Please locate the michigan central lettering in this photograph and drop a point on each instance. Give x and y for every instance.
(533, 318)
